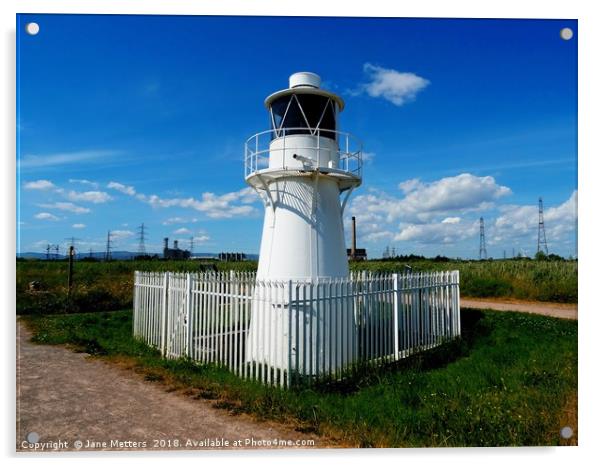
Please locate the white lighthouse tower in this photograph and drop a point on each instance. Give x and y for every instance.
(304, 168)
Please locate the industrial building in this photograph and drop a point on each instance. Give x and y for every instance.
(174, 253)
(232, 256)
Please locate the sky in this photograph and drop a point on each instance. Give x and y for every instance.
(124, 120)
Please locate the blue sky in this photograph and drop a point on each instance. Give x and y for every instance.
(131, 119)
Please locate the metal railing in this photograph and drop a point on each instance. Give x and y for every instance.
(286, 332)
(257, 149)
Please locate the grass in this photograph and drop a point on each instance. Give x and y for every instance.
(98, 286)
(510, 380)
(106, 286)
(554, 280)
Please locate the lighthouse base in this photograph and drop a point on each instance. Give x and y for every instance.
(312, 334)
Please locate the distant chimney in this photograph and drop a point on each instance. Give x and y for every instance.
(175, 244)
(353, 238)
(165, 243)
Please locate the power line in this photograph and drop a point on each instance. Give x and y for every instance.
(542, 244)
(72, 240)
(482, 247)
(141, 239)
(109, 246)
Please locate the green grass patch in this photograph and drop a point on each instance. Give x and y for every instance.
(107, 286)
(506, 382)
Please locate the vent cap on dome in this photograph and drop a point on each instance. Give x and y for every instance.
(304, 79)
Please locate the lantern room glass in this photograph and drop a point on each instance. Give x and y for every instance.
(303, 114)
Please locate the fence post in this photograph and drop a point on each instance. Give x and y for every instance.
(396, 301)
(459, 327)
(189, 314)
(290, 335)
(164, 313)
(135, 303)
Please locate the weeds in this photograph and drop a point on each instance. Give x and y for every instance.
(107, 286)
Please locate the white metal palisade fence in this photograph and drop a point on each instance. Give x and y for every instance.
(286, 332)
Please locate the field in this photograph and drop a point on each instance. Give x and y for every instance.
(106, 286)
(510, 380)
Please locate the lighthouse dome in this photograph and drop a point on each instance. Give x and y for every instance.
(304, 79)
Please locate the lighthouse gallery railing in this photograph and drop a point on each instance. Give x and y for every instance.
(258, 149)
(206, 317)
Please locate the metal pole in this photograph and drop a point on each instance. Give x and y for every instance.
(396, 316)
(290, 336)
(164, 312)
(353, 239)
(189, 314)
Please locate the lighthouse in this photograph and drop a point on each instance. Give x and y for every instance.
(304, 168)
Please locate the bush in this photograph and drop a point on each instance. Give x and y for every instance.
(487, 288)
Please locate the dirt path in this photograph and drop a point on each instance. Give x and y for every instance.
(563, 311)
(67, 396)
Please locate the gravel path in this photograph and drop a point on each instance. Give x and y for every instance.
(66, 397)
(563, 311)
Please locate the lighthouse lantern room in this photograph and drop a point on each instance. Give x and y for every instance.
(305, 169)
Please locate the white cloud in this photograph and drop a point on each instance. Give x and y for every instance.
(442, 232)
(78, 225)
(410, 185)
(377, 236)
(422, 202)
(121, 234)
(521, 222)
(443, 214)
(96, 197)
(182, 231)
(176, 220)
(92, 184)
(565, 211)
(46, 216)
(64, 158)
(392, 85)
(201, 239)
(66, 206)
(212, 205)
(455, 193)
(426, 212)
(39, 185)
(129, 190)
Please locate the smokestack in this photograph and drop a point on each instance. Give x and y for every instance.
(353, 238)
(175, 244)
(165, 243)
